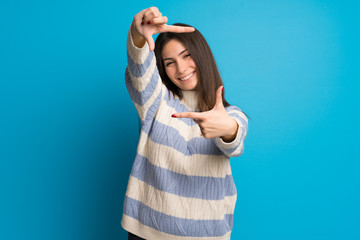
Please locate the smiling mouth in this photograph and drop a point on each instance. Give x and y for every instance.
(187, 76)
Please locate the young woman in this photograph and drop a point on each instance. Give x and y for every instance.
(181, 185)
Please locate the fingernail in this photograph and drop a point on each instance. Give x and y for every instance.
(142, 23)
(148, 22)
(173, 116)
(222, 89)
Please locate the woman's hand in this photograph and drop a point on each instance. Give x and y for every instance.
(149, 22)
(216, 122)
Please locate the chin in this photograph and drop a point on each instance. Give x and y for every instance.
(187, 88)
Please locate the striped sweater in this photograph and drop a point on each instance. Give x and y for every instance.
(181, 185)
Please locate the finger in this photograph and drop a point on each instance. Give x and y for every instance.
(193, 115)
(177, 29)
(159, 20)
(151, 13)
(149, 39)
(219, 102)
(138, 18)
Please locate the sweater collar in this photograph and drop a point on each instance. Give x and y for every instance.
(190, 99)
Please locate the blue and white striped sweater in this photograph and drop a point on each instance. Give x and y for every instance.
(181, 185)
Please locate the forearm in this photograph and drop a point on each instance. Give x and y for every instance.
(142, 79)
(138, 39)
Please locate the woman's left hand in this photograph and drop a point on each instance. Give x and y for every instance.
(214, 123)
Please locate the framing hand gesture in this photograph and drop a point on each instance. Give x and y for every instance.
(149, 22)
(216, 122)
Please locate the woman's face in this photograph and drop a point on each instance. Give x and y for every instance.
(179, 65)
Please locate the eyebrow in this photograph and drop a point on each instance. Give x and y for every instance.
(178, 55)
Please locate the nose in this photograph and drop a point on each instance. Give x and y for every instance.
(181, 67)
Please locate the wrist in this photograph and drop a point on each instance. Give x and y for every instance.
(232, 132)
(137, 38)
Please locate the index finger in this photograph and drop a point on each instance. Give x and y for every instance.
(193, 115)
(178, 29)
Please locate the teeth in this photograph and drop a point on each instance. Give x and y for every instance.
(187, 77)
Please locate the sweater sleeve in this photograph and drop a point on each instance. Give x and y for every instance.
(142, 80)
(236, 147)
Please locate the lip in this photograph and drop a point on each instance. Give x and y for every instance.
(190, 74)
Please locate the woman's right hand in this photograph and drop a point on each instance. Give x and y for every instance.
(149, 22)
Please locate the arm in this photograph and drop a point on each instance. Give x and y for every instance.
(142, 78)
(235, 147)
(233, 128)
(228, 127)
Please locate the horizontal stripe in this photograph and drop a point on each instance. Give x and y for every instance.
(242, 130)
(132, 225)
(229, 151)
(139, 55)
(149, 111)
(169, 136)
(236, 147)
(141, 82)
(211, 188)
(232, 108)
(189, 129)
(181, 207)
(236, 112)
(241, 120)
(196, 164)
(178, 107)
(231, 146)
(139, 69)
(233, 152)
(176, 226)
(141, 98)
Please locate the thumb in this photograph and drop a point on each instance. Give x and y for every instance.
(219, 102)
(149, 39)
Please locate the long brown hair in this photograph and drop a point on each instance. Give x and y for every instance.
(207, 71)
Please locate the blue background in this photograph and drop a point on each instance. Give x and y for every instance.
(69, 131)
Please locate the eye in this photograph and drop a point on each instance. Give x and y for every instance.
(168, 63)
(187, 55)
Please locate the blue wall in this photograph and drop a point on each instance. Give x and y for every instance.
(68, 130)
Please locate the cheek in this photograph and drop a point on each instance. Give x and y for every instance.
(192, 63)
(169, 72)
